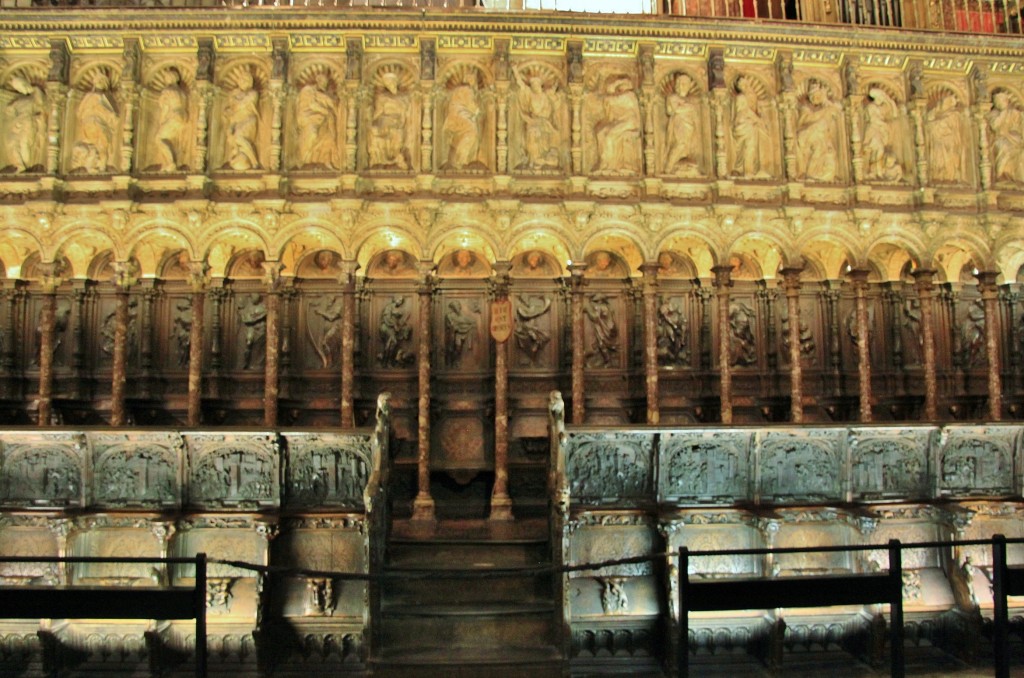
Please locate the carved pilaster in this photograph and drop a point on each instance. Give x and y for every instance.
(723, 283)
(787, 110)
(427, 128)
(577, 284)
(149, 297)
(502, 132)
(198, 282)
(423, 504)
(923, 283)
(918, 108)
(51, 280)
(719, 104)
(287, 294)
(129, 98)
(859, 279)
(348, 340)
(650, 338)
(351, 120)
(124, 279)
(217, 294)
(990, 297)
(791, 287)
(56, 101)
(80, 294)
(501, 503)
(576, 150)
(980, 111)
(892, 294)
(272, 279)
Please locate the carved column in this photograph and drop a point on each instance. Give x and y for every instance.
(723, 281)
(502, 131)
(791, 286)
(859, 277)
(204, 94)
(279, 65)
(577, 284)
(831, 295)
(351, 120)
(129, 96)
(348, 342)
(719, 104)
(197, 281)
(917, 115)
(576, 149)
(7, 329)
(56, 102)
(272, 278)
(427, 128)
(423, 505)
(47, 329)
(123, 281)
(990, 298)
(146, 338)
(501, 503)
(923, 283)
(787, 106)
(980, 112)
(854, 101)
(650, 297)
(80, 293)
(217, 295)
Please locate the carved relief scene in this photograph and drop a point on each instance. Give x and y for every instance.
(612, 123)
(539, 127)
(465, 119)
(685, 143)
(24, 120)
(753, 128)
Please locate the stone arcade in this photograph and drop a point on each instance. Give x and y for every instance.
(237, 226)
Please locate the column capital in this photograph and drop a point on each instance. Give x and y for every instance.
(791, 278)
(126, 274)
(987, 283)
(198, 275)
(924, 280)
(859, 277)
(51, 274)
(272, 275)
(723, 275)
(650, 270)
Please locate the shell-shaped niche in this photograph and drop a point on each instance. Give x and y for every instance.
(886, 141)
(391, 120)
(538, 120)
(821, 155)
(95, 121)
(314, 141)
(753, 129)
(23, 119)
(240, 133)
(682, 125)
(464, 142)
(947, 136)
(167, 122)
(612, 123)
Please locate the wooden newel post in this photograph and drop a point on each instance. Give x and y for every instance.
(896, 608)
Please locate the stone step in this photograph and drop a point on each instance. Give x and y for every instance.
(446, 554)
(525, 588)
(432, 662)
(487, 628)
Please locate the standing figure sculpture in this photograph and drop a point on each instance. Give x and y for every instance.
(945, 140)
(530, 338)
(181, 329)
(682, 145)
(241, 124)
(394, 332)
(171, 125)
(618, 129)
(459, 329)
(388, 144)
(462, 128)
(751, 139)
(316, 112)
(1006, 122)
(671, 334)
(96, 125)
(606, 332)
(25, 116)
(538, 108)
(743, 346)
(326, 338)
(253, 314)
(880, 160)
(817, 131)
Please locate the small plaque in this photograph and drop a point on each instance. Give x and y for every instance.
(501, 320)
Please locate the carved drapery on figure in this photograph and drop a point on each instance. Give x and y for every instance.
(252, 314)
(241, 122)
(742, 342)
(465, 124)
(393, 120)
(885, 137)
(317, 122)
(530, 337)
(167, 139)
(97, 129)
(540, 120)
(672, 339)
(460, 330)
(24, 126)
(395, 334)
(753, 150)
(1006, 126)
(615, 126)
(947, 141)
(684, 127)
(818, 137)
(604, 345)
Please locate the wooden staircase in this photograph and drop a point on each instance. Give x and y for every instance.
(442, 618)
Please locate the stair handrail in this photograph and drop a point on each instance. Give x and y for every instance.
(558, 516)
(378, 516)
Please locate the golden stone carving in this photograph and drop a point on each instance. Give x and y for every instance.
(684, 127)
(615, 125)
(317, 121)
(167, 135)
(97, 124)
(1006, 126)
(540, 120)
(392, 121)
(818, 137)
(465, 120)
(886, 136)
(24, 125)
(240, 108)
(752, 130)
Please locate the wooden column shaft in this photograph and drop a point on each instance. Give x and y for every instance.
(791, 284)
(650, 320)
(860, 286)
(47, 329)
(195, 359)
(723, 281)
(925, 289)
(118, 415)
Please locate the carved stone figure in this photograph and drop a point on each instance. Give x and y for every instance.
(459, 332)
(945, 140)
(817, 134)
(970, 336)
(538, 107)
(618, 128)
(252, 313)
(326, 336)
(881, 162)
(25, 117)
(181, 331)
(169, 138)
(605, 346)
(463, 125)
(682, 143)
(388, 145)
(530, 338)
(241, 124)
(671, 334)
(316, 112)
(742, 345)
(1006, 123)
(97, 124)
(751, 138)
(394, 332)
(533, 264)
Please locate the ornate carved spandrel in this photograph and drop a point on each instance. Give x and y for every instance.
(136, 469)
(327, 471)
(949, 140)
(465, 120)
(890, 463)
(95, 122)
(43, 469)
(711, 466)
(315, 140)
(887, 141)
(539, 120)
(23, 122)
(598, 537)
(753, 128)
(610, 468)
(167, 134)
(233, 471)
(29, 535)
(612, 124)
(820, 142)
(1006, 135)
(684, 119)
(977, 460)
(392, 119)
(801, 465)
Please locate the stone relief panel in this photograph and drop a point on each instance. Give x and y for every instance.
(598, 537)
(1005, 123)
(95, 120)
(539, 120)
(323, 317)
(464, 344)
(886, 139)
(118, 537)
(30, 535)
(949, 139)
(717, 532)
(251, 340)
(601, 331)
(23, 120)
(612, 122)
(533, 329)
(711, 466)
(977, 460)
(673, 330)
(610, 468)
(240, 133)
(890, 463)
(743, 329)
(465, 119)
(391, 122)
(682, 116)
(820, 139)
(42, 470)
(812, 527)
(753, 129)
(800, 466)
(327, 471)
(228, 471)
(315, 137)
(969, 333)
(167, 126)
(136, 469)
(393, 331)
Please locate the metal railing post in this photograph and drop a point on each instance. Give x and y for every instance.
(683, 651)
(896, 607)
(200, 603)
(1000, 615)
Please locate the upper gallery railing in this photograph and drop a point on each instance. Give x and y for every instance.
(968, 16)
